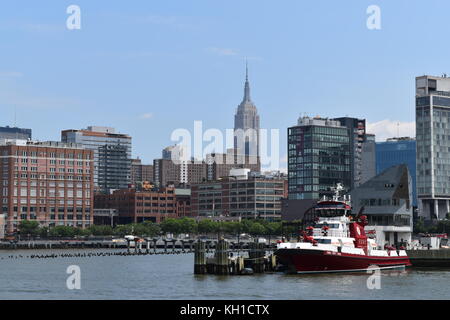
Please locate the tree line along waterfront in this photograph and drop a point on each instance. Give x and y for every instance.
(32, 229)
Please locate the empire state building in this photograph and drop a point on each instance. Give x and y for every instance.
(246, 124)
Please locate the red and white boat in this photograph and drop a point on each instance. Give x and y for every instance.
(337, 242)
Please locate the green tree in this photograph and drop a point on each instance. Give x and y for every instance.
(100, 230)
(122, 230)
(273, 228)
(206, 226)
(29, 227)
(64, 231)
(232, 227)
(151, 229)
(419, 226)
(257, 229)
(246, 225)
(43, 232)
(171, 225)
(187, 225)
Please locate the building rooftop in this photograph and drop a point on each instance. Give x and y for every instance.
(397, 139)
(318, 121)
(52, 144)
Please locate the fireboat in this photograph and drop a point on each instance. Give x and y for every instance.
(337, 242)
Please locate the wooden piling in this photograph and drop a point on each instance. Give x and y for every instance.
(221, 255)
(256, 256)
(199, 258)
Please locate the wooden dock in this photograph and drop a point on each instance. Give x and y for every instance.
(224, 262)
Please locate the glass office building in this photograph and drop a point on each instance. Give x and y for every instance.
(397, 151)
(318, 158)
(433, 146)
(358, 137)
(112, 155)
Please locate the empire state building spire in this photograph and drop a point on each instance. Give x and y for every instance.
(246, 123)
(247, 86)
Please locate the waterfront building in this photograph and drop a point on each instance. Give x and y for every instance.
(357, 137)
(246, 124)
(362, 150)
(386, 200)
(240, 196)
(183, 198)
(165, 172)
(49, 182)
(168, 172)
(14, 133)
(319, 157)
(433, 146)
(368, 159)
(220, 164)
(108, 217)
(141, 172)
(174, 169)
(112, 155)
(135, 206)
(396, 151)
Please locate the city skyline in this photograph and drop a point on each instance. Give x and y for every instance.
(183, 70)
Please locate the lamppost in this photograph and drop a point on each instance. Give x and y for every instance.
(111, 215)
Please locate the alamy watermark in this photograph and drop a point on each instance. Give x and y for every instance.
(73, 22)
(374, 19)
(73, 282)
(245, 146)
(374, 281)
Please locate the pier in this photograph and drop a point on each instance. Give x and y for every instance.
(228, 258)
(436, 258)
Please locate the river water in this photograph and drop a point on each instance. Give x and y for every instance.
(171, 277)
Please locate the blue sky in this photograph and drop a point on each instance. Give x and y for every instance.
(149, 67)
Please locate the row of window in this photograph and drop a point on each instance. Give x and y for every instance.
(44, 154)
(44, 209)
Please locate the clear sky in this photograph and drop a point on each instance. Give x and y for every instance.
(149, 67)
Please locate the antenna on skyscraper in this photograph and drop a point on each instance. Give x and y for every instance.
(246, 69)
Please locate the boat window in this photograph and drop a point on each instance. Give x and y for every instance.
(330, 225)
(324, 241)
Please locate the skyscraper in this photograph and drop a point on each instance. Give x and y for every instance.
(318, 158)
(357, 136)
(246, 124)
(112, 155)
(433, 146)
(397, 151)
(368, 159)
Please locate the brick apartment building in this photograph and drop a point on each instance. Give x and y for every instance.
(141, 172)
(255, 197)
(136, 206)
(214, 167)
(48, 182)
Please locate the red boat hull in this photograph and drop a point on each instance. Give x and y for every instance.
(311, 261)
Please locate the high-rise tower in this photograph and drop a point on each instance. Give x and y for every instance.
(433, 146)
(246, 124)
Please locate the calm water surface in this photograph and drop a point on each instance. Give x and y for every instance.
(171, 277)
